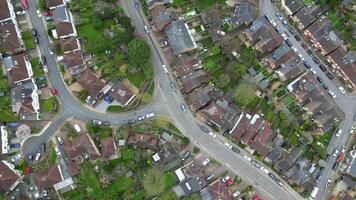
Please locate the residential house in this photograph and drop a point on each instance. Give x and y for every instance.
(25, 100)
(299, 173)
(64, 30)
(108, 148)
(4, 145)
(274, 156)
(82, 146)
(52, 4)
(122, 93)
(218, 190)
(244, 13)
(344, 63)
(211, 22)
(221, 113)
(73, 60)
(10, 38)
(323, 36)
(200, 97)
(327, 119)
(186, 188)
(263, 142)
(292, 6)
(6, 11)
(161, 18)
(92, 84)
(46, 178)
(280, 56)
(252, 129)
(193, 80)
(69, 45)
(9, 176)
(186, 65)
(303, 87)
(307, 15)
(193, 171)
(287, 160)
(291, 69)
(179, 37)
(151, 4)
(143, 141)
(18, 68)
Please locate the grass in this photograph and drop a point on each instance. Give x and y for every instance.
(114, 108)
(3, 84)
(89, 33)
(36, 68)
(287, 100)
(137, 79)
(49, 105)
(207, 42)
(6, 114)
(28, 41)
(169, 180)
(52, 156)
(103, 131)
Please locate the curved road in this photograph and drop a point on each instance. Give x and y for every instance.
(165, 103)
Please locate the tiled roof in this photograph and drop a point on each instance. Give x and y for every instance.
(73, 59)
(85, 143)
(16, 67)
(143, 141)
(179, 37)
(64, 28)
(294, 5)
(90, 82)
(121, 93)
(4, 10)
(8, 176)
(69, 44)
(46, 178)
(9, 40)
(218, 190)
(54, 3)
(161, 17)
(108, 147)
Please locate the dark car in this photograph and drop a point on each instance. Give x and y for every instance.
(226, 132)
(42, 85)
(316, 60)
(108, 99)
(35, 40)
(329, 75)
(307, 65)
(173, 87)
(319, 79)
(335, 165)
(325, 86)
(44, 60)
(30, 157)
(41, 78)
(273, 177)
(132, 121)
(288, 43)
(297, 38)
(210, 124)
(34, 32)
(236, 150)
(304, 46)
(43, 147)
(322, 67)
(310, 53)
(204, 129)
(186, 155)
(291, 30)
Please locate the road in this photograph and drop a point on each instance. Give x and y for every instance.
(345, 102)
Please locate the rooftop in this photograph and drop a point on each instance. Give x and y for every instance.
(179, 37)
(9, 40)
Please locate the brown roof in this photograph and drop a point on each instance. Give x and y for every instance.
(263, 142)
(287, 160)
(218, 190)
(69, 44)
(90, 82)
(186, 65)
(73, 59)
(4, 10)
(7, 176)
(54, 3)
(64, 28)
(108, 147)
(121, 93)
(239, 130)
(346, 61)
(72, 168)
(143, 140)
(294, 5)
(18, 71)
(85, 144)
(8, 37)
(161, 17)
(200, 97)
(252, 130)
(46, 178)
(193, 80)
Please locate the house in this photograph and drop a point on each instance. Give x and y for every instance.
(218, 190)
(179, 37)
(274, 156)
(108, 148)
(193, 171)
(186, 65)
(25, 100)
(73, 60)
(323, 36)
(344, 63)
(10, 38)
(291, 69)
(221, 113)
(143, 141)
(330, 115)
(46, 178)
(193, 80)
(64, 30)
(287, 160)
(299, 173)
(92, 84)
(161, 18)
(186, 188)
(52, 4)
(200, 97)
(304, 87)
(280, 56)
(211, 22)
(252, 129)
(151, 4)
(18, 68)
(69, 44)
(292, 6)
(6, 11)
(263, 142)
(82, 145)
(307, 15)
(122, 93)
(4, 145)
(9, 176)
(244, 13)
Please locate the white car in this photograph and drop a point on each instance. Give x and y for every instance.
(335, 152)
(328, 183)
(141, 118)
(60, 141)
(50, 51)
(273, 23)
(294, 49)
(16, 158)
(339, 132)
(352, 129)
(264, 170)
(225, 178)
(149, 115)
(236, 194)
(212, 134)
(38, 155)
(146, 29)
(58, 152)
(284, 36)
(301, 57)
(45, 69)
(332, 94)
(343, 149)
(228, 145)
(165, 69)
(163, 44)
(39, 13)
(247, 158)
(220, 32)
(313, 71)
(342, 90)
(205, 162)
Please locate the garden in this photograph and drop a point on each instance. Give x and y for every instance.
(27, 39)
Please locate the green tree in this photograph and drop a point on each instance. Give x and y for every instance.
(97, 23)
(138, 53)
(42, 5)
(154, 182)
(245, 93)
(209, 64)
(215, 50)
(240, 69)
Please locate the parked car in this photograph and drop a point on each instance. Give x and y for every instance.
(141, 118)
(204, 129)
(173, 87)
(289, 43)
(335, 152)
(54, 91)
(342, 90)
(325, 86)
(319, 79)
(313, 71)
(306, 64)
(163, 44)
(43, 147)
(132, 121)
(329, 75)
(45, 69)
(60, 141)
(30, 157)
(35, 39)
(328, 183)
(16, 158)
(212, 134)
(236, 194)
(210, 177)
(50, 51)
(186, 155)
(34, 32)
(236, 150)
(15, 145)
(322, 67)
(335, 166)
(206, 162)
(149, 115)
(304, 46)
(272, 176)
(339, 133)
(38, 155)
(165, 69)
(291, 30)
(297, 38)
(316, 60)
(184, 109)
(146, 29)
(343, 149)
(332, 94)
(285, 23)
(255, 164)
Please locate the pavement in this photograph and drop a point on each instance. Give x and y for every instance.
(165, 103)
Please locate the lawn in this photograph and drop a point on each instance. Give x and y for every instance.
(36, 68)
(89, 182)
(6, 114)
(89, 33)
(288, 99)
(52, 155)
(137, 79)
(3, 84)
(169, 180)
(49, 105)
(207, 42)
(103, 131)
(28, 41)
(114, 108)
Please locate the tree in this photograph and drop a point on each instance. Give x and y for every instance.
(147, 70)
(42, 5)
(240, 69)
(245, 93)
(154, 182)
(97, 23)
(209, 64)
(138, 53)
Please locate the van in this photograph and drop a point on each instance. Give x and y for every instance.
(77, 128)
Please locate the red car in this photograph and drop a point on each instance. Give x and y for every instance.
(53, 91)
(229, 182)
(27, 170)
(304, 46)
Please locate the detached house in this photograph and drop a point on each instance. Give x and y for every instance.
(299, 173)
(292, 6)
(18, 68)
(92, 84)
(47, 178)
(82, 146)
(244, 13)
(63, 22)
(180, 38)
(69, 44)
(9, 176)
(122, 93)
(143, 141)
(161, 18)
(218, 190)
(108, 148)
(73, 61)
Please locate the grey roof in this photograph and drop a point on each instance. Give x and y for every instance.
(353, 168)
(276, 153)
(308, 14)
(152, 2)
(179, 37)
(279, 52)
(205, 194)
(244, 13)
(294, 5)
(167, 137)
(299, 172)
(348, 181)
(61, 14)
